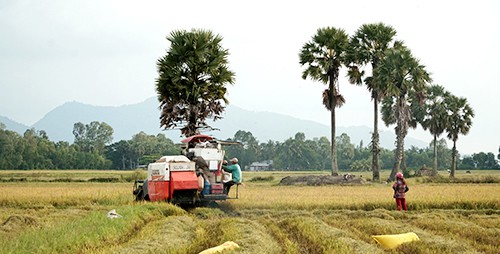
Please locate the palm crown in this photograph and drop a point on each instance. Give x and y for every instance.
(192, 80)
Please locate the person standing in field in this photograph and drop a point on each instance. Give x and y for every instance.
(235, 170)
(400, 189)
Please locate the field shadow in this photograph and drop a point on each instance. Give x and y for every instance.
(228, 209)
(223, 207)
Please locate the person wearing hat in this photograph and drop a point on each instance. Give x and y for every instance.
(235, 171)
(400, 188)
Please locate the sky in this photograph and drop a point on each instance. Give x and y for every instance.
(104, 52)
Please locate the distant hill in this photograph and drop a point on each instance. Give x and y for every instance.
(13, 126)
(128, 120)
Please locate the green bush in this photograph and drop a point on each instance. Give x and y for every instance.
(262, 179)
(468, 179)
(138, 174)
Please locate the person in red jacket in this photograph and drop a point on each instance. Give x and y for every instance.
(400, 189)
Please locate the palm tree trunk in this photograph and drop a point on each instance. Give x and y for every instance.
(403, 161)
(192, 126)
(123, 161)
(375, 143)
(435, 163)
(453, 158)
(398, 155)
(401, 123)
(331, 86)
(335, 169)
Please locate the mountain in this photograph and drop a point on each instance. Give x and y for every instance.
(128, 120)
(13, 126)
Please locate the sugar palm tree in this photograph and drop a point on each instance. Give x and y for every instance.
(459, 121)
(400, 74)
(433, 116)
(368, 46)
(323, 57)
(192, 80)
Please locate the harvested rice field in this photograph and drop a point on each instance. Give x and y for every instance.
(43, 216)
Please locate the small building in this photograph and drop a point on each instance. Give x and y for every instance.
(260, 166)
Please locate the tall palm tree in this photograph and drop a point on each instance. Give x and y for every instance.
(400, 74)
(368, 46)
(323, 57)
(460, 115)
(433, 116)
(192, 80)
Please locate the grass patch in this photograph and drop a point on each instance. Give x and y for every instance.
(483, 239)
(86, 234)
(172, 234)
(464, 179)
(262, 179)
(104, 180)
(286, 244)
(70, 217)
(368, 197)
(314, 236)
(72, 175)
(206, 213)
(63, 195)
(251, 236)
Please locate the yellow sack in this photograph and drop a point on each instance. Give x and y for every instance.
(393, 241)
(229, 245)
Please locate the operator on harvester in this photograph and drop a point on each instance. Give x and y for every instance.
(235, 171)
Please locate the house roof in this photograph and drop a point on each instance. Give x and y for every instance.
(259, 164)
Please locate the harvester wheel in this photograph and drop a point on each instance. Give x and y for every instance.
(139, 195)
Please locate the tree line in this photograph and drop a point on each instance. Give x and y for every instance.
(194, 73)
(299, 153)
(34, 149)
(193, 76)
(395, 78)
(93, 149)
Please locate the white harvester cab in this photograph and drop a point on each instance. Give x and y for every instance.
(213, 156)
(160, 170)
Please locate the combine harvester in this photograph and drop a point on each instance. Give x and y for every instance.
(194, 178)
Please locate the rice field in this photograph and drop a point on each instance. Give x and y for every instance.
(40, 215)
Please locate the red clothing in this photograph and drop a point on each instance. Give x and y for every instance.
(401, 204)
(400, 188)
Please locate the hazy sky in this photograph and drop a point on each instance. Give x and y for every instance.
(104, 52)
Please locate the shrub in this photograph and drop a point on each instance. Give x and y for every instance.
(262, 179)
(469, 179)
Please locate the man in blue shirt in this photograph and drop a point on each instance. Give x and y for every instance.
(235, 170)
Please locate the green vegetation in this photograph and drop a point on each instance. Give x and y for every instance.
(465, 179)
(322, 57)
(368, 46)
(192, 80)
(85, 233)
(71, 175)
(191, 87)
(404, 81)
(262, 179)
(297, 153)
